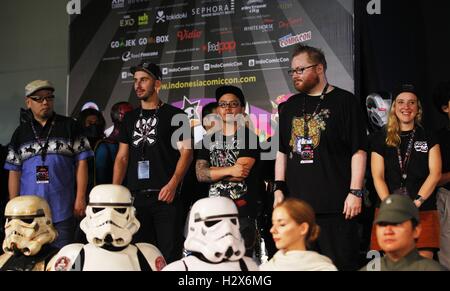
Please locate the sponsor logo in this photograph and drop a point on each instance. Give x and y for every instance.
(285, 4)
(220, 46)
(188, 34)
(290, 39)
(122, 43)
(158, 39)
(166, 71)
(254, 6)
(128, 56)
(208, 66)
(374, 7)
(126, 75)
(259, 27)
(127, 21)
(267, 61)
(290, 22)
(260, 42)
(215, 10)
(143, 19)
(161, 17)
(115, 4)
(187, 50)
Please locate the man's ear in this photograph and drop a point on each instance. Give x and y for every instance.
(28, 102)
(445, 108)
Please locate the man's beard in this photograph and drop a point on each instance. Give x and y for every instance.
(306, 86)
(147, 96)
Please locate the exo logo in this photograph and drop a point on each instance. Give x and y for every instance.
(220, 46)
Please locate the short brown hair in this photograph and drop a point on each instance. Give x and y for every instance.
(301, 212)
(316, 55)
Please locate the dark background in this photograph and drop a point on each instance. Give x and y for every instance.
(408, 42)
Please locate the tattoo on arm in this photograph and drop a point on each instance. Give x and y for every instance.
(202, 171)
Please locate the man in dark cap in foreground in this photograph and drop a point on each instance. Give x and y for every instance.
(397, 229)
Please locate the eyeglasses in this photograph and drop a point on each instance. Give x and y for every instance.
(232, 104)
(299, 70)
(40, 99)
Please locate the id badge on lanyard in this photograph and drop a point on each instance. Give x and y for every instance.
(42, 175)
(143, 170)
(305, 148)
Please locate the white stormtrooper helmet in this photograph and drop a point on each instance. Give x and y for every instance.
(378, 106)
(110, 217)
(214, 230)
(28, 225)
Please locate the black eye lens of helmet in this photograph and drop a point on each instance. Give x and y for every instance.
(234, 221)
(97, 209)
(27, 221)
(121, 210)
(211, 223)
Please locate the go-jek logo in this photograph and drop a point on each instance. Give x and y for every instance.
(220, 47)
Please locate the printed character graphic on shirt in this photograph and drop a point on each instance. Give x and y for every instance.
(226, 155)
(314, 126)
(145, 131)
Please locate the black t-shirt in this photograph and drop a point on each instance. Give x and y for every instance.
(149, 139)
(337, 131)
(417, 168)
(444, 141)
(223, 151)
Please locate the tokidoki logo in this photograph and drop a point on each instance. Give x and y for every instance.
(161, 17)
(254, 6)
(145, 131)
(220, 46)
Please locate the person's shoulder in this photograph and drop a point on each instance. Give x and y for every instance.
(173, 109)
(250, 263)
(425, 264)
(342, 94)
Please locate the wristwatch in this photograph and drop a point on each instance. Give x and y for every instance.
(357, 192)
(420, 199)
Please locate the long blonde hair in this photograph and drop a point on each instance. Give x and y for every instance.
(393, 127)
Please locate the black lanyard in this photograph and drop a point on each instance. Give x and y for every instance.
(316, 111)
(145, 129)
(405, 161)
(43, 147)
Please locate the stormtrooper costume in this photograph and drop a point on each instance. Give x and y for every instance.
(378, 106)
(109, 226)
(214, 239)
(28, 234)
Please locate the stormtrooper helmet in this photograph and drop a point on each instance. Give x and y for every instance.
(110, 220)
(214, 230)
(28, 225)
(378, 106)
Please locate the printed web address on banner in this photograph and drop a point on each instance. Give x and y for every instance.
(208, 83)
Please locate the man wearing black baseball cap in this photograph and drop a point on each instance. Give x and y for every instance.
(154, 168)
(397, 228)
(227, 161)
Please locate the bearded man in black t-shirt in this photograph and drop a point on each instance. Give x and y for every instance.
(154, 153)
(322, 155)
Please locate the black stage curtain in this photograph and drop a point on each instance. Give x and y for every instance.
(407, 43)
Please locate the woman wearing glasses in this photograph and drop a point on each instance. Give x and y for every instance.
(406, 160)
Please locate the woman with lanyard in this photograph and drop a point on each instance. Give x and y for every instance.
(406, 160)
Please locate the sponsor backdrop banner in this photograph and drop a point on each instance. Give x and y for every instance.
(201, 45)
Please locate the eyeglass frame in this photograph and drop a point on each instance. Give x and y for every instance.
(41, 99)
(231, 104)
(299, 70)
